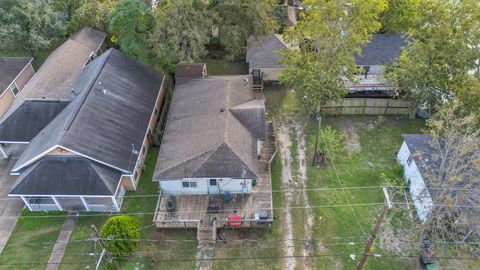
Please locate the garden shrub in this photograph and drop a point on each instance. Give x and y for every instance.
(120, 234)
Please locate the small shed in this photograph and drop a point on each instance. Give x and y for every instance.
(264, 55)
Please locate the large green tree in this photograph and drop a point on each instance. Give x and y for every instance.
(93, 13)
(238, 19)
(442, 53)
(67, 7)
(399, 16)
(130, 23)
(323, 45)
(180, 32)
(30, 24)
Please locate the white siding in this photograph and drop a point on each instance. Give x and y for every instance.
(259, 147)
(235, 185)
(175, 187)
(418, 190)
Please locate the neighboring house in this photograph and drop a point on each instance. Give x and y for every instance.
(50, 90)
(15, 72)
(263, 57)
(209, 156)
(94, 149)
(382, 51)
(417, 156)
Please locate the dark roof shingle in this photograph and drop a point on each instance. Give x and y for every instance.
(203, 137)
(109, 117)
(10, 68)
(265, 53)
(382, 50)
(61, 175)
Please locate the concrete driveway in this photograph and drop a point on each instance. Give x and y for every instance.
(9, 207)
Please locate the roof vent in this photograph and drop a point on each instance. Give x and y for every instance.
(222, 109)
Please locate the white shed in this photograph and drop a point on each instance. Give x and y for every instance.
(408, 156)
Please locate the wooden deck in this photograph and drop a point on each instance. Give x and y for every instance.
(193, 211)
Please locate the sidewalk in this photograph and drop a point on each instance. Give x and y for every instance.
(62, 242)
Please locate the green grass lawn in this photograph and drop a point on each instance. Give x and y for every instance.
(362, 168)
(36, 63)
(223, 67)
(334, 227)
(32, 240)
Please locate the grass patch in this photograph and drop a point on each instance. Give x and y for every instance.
(223, 67)
(32, 240)
(362, 168)
(280, 102)
(36, 63)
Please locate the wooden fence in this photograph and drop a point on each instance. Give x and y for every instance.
(369, 106)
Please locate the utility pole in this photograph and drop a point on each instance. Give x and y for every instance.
(97, 238)
(373, 234)
(319, 118)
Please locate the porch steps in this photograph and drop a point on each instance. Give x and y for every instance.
(207, 231)
(257, 87)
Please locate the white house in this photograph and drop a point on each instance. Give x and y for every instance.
(413, 149)
(212, 138)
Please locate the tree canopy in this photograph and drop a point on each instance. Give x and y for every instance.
(180, 32)
(238, 19)
(323, 45)
(30, 24)
(456, 151)
(130, 22)
(94, 14)
(399, 16)
(442, 53)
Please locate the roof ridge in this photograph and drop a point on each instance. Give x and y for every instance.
(87, 92)
(236, 154)
(192, 158)
(94, 166)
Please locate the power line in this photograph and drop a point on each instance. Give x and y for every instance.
(472, 190)
(225, 210)
(244, 209)
(374, 255)
(344, 192)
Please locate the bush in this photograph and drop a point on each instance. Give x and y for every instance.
(120, 234)
(332, 143)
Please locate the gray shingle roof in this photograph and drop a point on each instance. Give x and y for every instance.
(382, 50)
(10, 68)
(116, 98)
(264, 53)
(52, 82)
(61, 175)
(425, 156)
(90, 38)
(252, 116)
(203, 138)
(29, 119)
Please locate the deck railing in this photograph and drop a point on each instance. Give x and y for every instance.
(44, 207)
(101, 208)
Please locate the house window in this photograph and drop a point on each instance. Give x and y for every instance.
(189, 184)
(14, 88)
(156, 111)
(213, 182)
(144, 150)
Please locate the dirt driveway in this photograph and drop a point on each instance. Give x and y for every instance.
(9, 207)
